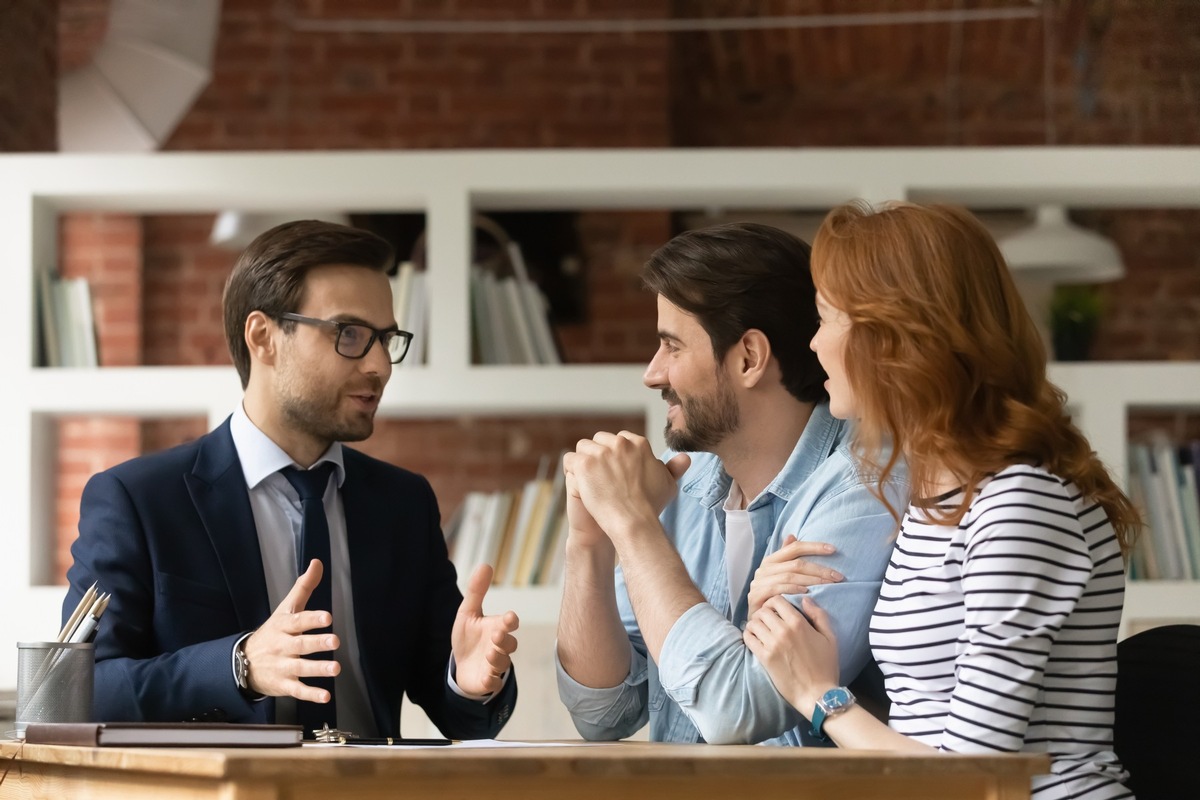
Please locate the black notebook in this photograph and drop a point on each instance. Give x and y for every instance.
(163, 734)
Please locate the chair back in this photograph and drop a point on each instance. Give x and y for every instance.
(1157, 729)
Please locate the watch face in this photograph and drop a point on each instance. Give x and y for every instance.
(837, 698)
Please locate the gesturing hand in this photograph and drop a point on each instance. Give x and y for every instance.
(800, 657)
(786, 572)
(481, 644)
(275, 651)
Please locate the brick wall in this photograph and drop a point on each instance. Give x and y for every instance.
(184, 277)
(277, 87)
(28, 76)
(1155, 309)
(1121, 72)
(82, 25)
(107, 250)
(619, 326)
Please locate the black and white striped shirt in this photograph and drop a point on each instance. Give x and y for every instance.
(1000, 634)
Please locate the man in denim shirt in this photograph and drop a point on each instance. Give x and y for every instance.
(756, 457)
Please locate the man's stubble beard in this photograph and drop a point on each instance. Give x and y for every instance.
(311, 417)
(709, 419)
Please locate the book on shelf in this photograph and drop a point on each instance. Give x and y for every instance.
(84, 323)
(465, 534)
(520, 329)
(410, 307)
(68, 322)
(1164, 482)
(163, 734)
(481, 319)
(401, 285)
(1189, 503)
(47, 307)
(416, 320)
(506, 538)
(534, 308)
(1166, 463)
(495, 516)
(1143, 564)
(516, 531)
(511, 557)
(555, 511)
(510, 315)
(531, 536)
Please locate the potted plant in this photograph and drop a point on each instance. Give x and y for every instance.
(1074, 316)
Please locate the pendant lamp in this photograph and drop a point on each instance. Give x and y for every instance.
(234, 230)
(1057, 251)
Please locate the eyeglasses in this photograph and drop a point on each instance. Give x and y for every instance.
(354, 340)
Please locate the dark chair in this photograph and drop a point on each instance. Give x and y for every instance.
(1157, 729)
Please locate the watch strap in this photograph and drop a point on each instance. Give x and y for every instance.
(830, 704)
(241, 670)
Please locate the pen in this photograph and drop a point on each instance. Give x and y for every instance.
(87, 626)
(328, 735)
(388, 740)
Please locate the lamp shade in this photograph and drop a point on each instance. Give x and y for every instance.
(235, 230)
(1055, 250)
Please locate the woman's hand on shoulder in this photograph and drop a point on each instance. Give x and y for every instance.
(786, 571)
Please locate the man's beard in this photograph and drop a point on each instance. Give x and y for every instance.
(323, 422)
(708, 418)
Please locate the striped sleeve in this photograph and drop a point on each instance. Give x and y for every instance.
(1025, 563)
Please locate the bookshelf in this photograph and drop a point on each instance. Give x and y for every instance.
(449, 187)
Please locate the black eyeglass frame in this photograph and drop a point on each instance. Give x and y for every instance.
(382, 335)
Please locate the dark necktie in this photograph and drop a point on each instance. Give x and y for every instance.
(314, 543)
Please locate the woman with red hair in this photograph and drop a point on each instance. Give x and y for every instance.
(997, 623)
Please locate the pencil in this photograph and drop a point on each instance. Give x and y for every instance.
(84, 605)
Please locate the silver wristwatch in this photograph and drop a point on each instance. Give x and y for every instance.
(241, 666)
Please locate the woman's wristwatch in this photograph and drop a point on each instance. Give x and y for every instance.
(830, 704)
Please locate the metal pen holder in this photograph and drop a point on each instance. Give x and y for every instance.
(54, 682)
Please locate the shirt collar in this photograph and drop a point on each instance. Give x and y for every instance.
(261, 457)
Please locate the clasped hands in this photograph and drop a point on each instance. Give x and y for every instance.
(482, 645)
(614, 484)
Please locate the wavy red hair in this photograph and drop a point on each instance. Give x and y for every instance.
(945, 362)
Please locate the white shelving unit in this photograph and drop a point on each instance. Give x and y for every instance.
(448, 186)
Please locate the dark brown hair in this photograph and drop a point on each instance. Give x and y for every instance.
(269, 275)
(742, 276)
(944, 360)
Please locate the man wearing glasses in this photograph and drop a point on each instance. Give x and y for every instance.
(199, 543)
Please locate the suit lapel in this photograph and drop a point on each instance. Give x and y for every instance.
(218, 489)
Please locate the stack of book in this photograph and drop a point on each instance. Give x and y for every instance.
(509, 316)
(1164, 481)
(520, 533)
(410, 306)
(68, 323)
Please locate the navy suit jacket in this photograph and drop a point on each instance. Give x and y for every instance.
(172, 537)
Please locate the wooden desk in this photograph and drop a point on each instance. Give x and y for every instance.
(608, 772)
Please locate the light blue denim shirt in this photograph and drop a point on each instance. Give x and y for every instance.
(709, 687)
